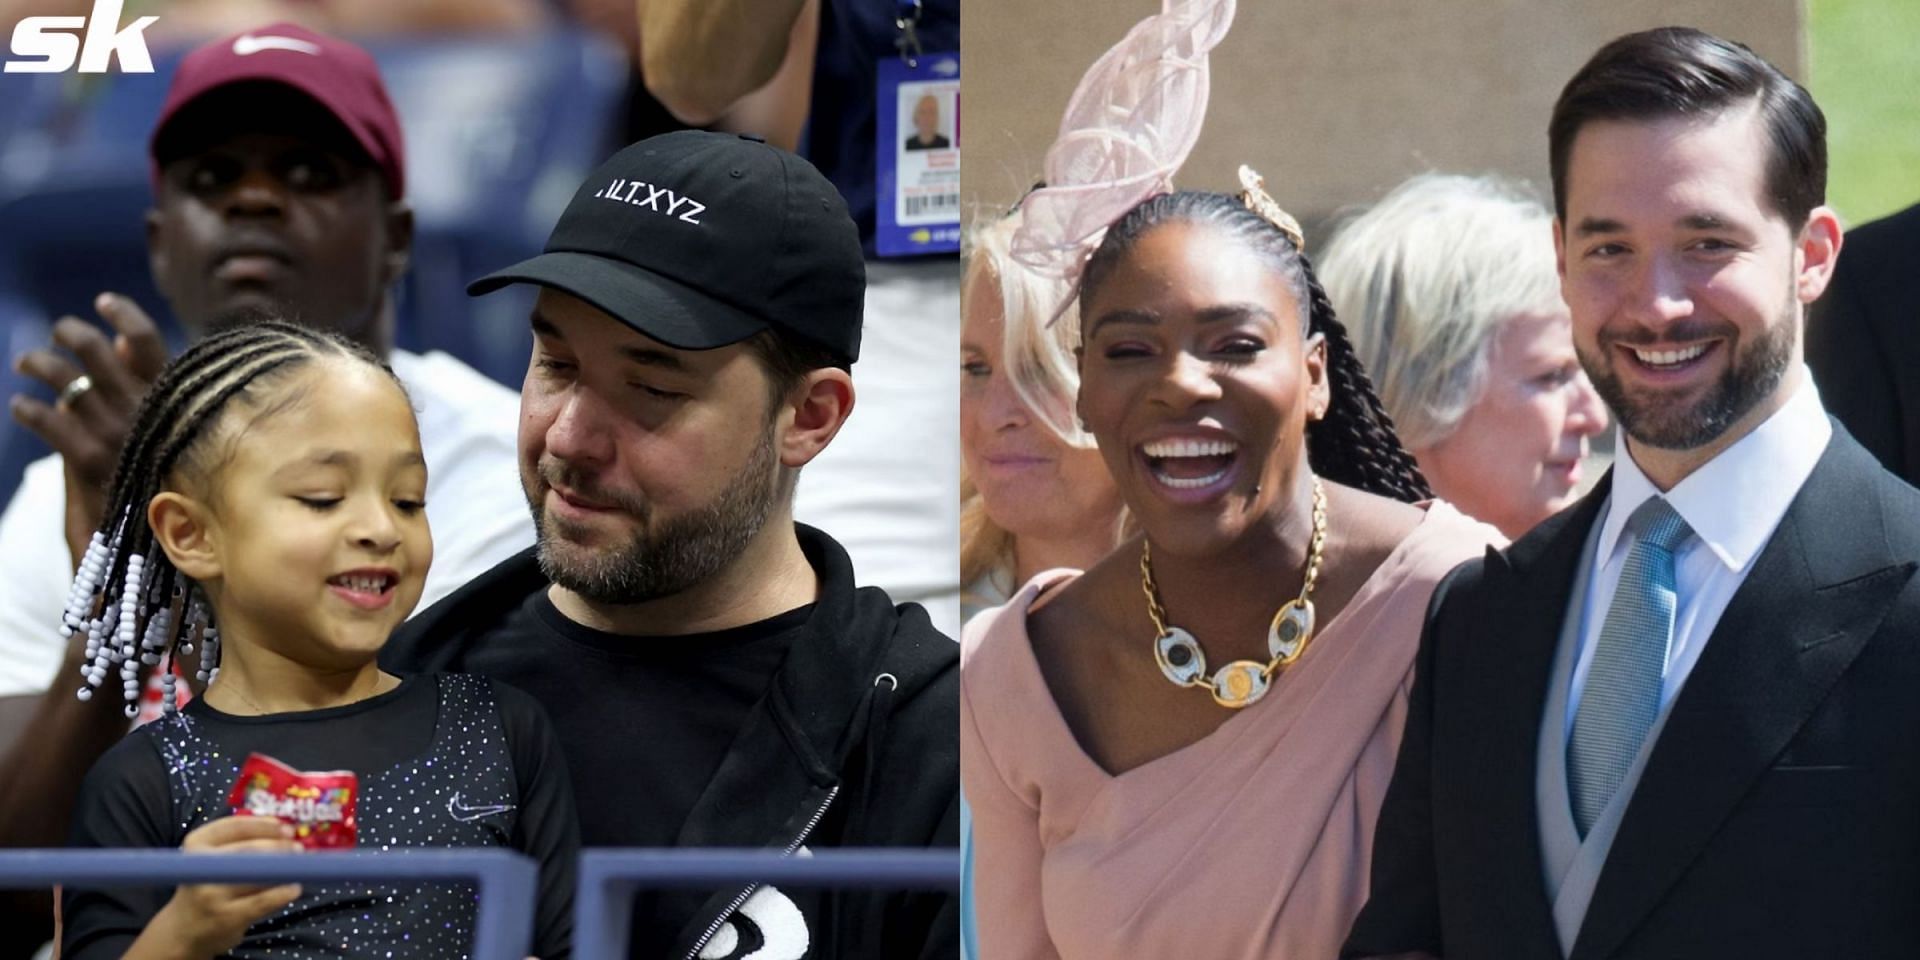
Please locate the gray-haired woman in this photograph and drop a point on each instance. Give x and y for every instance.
(1449, 289)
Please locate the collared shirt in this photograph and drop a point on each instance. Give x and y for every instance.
(1733, 503)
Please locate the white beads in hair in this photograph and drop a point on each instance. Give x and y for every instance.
(129, 625)
(86, 580)
(154, 644)
(134, 624)
(210, 653)
(130, 603)
(130, 685)
(100, 648)
(198, 628)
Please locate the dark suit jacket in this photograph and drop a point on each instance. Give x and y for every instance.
(1863, 341)
(1779, 813)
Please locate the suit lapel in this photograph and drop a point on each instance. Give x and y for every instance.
(1816, 594)
(1509, 659)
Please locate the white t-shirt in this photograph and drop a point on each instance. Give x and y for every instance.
(475, 507)
(888, 486)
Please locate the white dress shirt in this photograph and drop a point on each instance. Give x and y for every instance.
(888, 486)
(1733, 503)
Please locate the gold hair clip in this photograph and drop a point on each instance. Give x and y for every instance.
(1253, 193)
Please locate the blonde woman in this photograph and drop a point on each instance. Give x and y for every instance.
(1449, 288)
(1036, 495)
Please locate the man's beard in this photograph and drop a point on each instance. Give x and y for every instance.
(684, 551)
(1750, 378)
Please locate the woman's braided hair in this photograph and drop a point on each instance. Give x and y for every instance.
(1354, 443)
(127, 597)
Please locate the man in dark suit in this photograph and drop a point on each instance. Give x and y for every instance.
(1677, 719)
(1861, 345)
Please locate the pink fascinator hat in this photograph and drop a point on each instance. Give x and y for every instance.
(1129, 126)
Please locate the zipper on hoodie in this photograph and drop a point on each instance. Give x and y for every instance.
(799, 839)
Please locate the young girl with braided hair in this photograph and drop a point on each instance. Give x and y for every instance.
(266, 525)
(1182, 751)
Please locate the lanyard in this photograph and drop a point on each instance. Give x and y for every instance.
(906, 19)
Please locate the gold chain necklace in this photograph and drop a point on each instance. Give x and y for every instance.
(1242, 682)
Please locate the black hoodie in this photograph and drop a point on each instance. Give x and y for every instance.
(854, 744)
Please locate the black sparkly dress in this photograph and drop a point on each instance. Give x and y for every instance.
(459, 791)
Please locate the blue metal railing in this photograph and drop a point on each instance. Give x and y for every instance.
(508, 882)
(603, 906)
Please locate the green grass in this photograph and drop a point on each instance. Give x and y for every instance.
(1864, 70)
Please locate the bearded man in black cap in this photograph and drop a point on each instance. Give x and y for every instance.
(715, 676)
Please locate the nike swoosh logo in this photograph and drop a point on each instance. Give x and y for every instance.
(247, 45)
(468, 814)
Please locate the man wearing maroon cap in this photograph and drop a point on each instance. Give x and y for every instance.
(304, 113)
(278, 170)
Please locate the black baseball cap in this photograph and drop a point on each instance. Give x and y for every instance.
(700, 239)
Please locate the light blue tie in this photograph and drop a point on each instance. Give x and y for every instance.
(1622, 696)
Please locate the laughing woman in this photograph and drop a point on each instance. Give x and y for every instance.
(1181, 752)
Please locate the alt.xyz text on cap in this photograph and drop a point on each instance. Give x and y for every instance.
(612, 191)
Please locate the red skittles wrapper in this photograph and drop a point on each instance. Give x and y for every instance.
(319, 805)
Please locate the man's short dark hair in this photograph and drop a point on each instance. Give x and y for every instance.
(1679, 71)
(788, 359)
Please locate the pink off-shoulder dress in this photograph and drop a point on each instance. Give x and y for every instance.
(1252, 842)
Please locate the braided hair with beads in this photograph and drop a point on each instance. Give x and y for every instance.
(1354, 443)
(127, 599)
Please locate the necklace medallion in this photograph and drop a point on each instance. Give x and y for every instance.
(1241, 683)
(1179, 656)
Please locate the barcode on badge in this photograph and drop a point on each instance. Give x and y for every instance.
(918, 206)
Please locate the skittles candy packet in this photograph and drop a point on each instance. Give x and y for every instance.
(318, 805)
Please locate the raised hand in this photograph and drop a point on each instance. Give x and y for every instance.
(97, 399)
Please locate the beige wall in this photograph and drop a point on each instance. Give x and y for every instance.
(1334, 101)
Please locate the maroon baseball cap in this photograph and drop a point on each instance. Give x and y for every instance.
(336, 74)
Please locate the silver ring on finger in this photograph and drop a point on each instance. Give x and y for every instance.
(74, 389)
